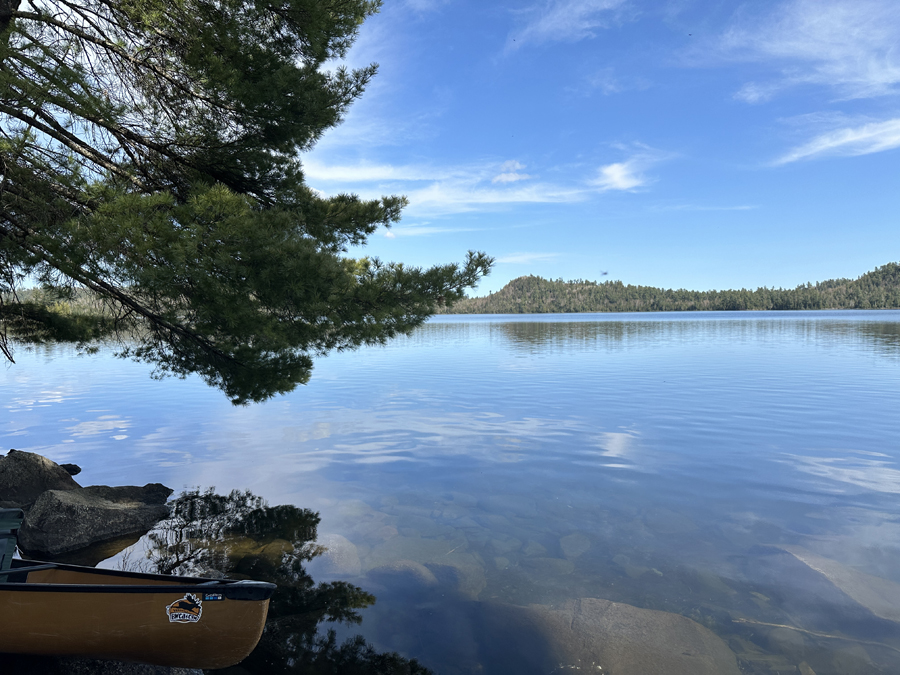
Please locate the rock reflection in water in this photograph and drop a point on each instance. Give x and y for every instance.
(239, 536)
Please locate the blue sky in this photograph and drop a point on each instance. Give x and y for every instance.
(691, 143)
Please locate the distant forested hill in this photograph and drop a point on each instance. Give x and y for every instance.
(879, 289)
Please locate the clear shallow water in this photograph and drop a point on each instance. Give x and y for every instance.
(685, 452)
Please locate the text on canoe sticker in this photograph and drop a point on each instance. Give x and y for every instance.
(186, 610)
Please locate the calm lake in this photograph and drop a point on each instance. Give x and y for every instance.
(739, 469)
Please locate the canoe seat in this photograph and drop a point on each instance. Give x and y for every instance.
(10, 521)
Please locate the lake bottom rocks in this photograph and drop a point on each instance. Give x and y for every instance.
(61, 665)
(628, 640)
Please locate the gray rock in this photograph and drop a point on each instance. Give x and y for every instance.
(340, 558)
(532, 548)
(664, 521)
(61, 521)
(72, 469)
(504, 544)
(24, 476)
(879, 596)
(64, 665)
(574, 545)
(404, 575)
(466, 578)
(548, 567)
(627, 640)
(419, 549)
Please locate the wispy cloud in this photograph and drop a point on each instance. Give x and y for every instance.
(425, 5)
(619, 176)
(422, 230)
(564, 21)
(509, 173)
(442, 190)
(849, 141)
(369, 173)
(608, 82)
(849, 45)
(458, 196)
(435, 190)
(700, 207)
(526, 258)
(629, 174)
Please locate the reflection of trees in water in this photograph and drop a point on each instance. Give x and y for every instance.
(549, 336)
(882, 337)
(239, 536)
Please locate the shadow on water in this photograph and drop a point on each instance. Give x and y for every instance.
(240, 536)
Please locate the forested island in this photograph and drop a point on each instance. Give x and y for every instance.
(878, 289)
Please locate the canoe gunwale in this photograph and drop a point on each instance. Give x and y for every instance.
(232, 589)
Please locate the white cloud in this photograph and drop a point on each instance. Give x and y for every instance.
(526, 258)
(754, 92)
(605, 81)
(628, 174)
(510, 173)
(619, 176)
(564, 21)
(424, 231)
(608, 82)
(850, 45)
(510, 177)
(849, 141)
(441, 190)
(368, 173)
(457, 189)
(425, 5)
(459, 196)
(698, 207)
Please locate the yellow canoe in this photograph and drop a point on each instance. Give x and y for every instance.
(190, 622)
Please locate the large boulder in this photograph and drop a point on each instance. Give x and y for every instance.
(340, 559)
(67, 520)
(24, 476)
(627, 640)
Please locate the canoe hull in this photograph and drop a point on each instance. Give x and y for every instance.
(184, 625)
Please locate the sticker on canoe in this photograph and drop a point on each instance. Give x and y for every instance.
(213, 596)
(186, 610)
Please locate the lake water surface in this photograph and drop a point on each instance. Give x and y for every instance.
(740, 469)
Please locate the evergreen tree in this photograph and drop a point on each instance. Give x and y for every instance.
(149, 154)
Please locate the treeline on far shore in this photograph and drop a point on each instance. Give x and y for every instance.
(879, 289)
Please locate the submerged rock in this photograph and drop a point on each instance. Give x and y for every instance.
(664, 521)
(879, 596)
(61, 521)
(24, 476)
(626, 640)
(548, 567)
(62, 665)
(464, 576)
(574, 545)
(340, 558)
(404, 576)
